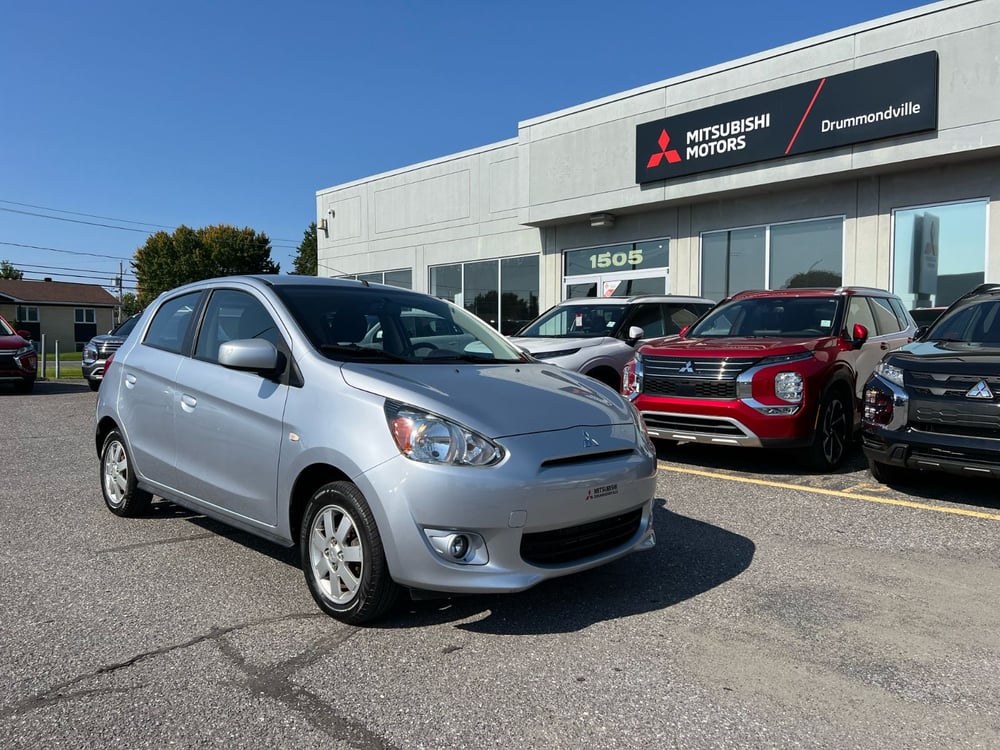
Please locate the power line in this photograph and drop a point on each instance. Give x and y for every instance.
(74, 221)
(68, 252)
(89, 216)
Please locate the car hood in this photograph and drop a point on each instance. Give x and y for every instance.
(496, 400)
(105, 338)
(948, 356)
(8, 343)
(544, 345)
(732, 346)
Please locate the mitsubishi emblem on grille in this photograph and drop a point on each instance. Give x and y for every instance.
(588, 441)
(979, 390)
(688, 367)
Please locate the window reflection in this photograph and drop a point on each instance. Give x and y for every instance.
(939, 252)
(503, 293)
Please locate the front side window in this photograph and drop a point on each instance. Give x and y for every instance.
(231, 314)
(173, 323)
(939, 252)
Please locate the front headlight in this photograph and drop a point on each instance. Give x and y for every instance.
(89, 352)
(890, 372)
(788, 386)
(429, 438)
(553, 355)
(24, 350)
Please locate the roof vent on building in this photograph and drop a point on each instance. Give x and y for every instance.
(602, 220)
(48, 278)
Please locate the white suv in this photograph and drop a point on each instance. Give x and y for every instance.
(598, 336)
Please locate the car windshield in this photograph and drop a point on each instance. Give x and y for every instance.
(974, 324)
(125, 327)
(576, 321)
(783, 317)
(382, 324)
(5, 330)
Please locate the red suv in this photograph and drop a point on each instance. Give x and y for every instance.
(18, 359)
(781, 368)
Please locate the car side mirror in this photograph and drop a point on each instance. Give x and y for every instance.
(860, 335)
(683, 331)
(253, 355)
(921, 332)
(26, 335)
(634, 334)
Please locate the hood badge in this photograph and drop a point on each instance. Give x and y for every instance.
(688, 367)
(588, 441)
(979, 390)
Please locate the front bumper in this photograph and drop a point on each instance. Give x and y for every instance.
(932, 452)
(536, 521)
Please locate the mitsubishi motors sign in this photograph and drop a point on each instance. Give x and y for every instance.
(881, 101)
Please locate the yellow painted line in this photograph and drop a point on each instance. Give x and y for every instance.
(834, 493)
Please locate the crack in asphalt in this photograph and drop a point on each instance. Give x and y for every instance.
(61, 691)
(276, 683)
(273, 681)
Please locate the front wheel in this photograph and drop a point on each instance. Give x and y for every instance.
(833, 434)
(118, 484)
(342, 556)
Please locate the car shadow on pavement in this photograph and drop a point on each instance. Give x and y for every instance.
(980, 492)
(690, 558)
(43, 387)
(752, 460)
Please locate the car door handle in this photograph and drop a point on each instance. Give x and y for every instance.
(188, 402)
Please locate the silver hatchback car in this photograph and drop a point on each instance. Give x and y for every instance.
(392, 464)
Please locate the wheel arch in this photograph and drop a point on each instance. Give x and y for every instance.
(310, 479)
(104, 426)
(606, 374)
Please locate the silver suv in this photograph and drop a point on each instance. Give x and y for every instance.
(598, 336)
(393, 463)
(97, 350)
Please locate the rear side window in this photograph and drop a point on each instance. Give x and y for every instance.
(173, 323)
(885, 319)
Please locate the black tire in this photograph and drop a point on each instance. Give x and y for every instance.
(118, 485)
(342, 556)
(95, 385)
(886, 473)
(832, 438)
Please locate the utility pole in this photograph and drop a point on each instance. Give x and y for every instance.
(119, 280)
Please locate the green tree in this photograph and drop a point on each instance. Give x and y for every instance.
(7, 270)
(130, 305)
(169, 260)
(304, 263)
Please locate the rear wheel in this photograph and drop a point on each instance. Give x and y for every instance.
(342, 556)
(94, 384)
(118, 484)
(833, 433)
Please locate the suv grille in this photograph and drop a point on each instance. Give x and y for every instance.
(933, 386)
(107, 347)
(702, 378)
(577, 542)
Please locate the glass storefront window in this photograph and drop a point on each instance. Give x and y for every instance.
(504, 293)
(613, 258)
(779, 256)
(403, 279)
(939, 252)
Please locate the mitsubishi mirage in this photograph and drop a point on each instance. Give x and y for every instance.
(393, 464)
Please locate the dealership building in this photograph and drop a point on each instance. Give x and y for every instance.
(867, 156)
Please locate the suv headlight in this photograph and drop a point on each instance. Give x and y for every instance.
(429, 438)
(788, 386)
(89, 353)
(890, 372)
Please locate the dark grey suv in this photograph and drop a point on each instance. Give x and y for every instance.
(96, 351)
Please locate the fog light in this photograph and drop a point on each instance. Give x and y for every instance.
(462, 547)
(459, 546)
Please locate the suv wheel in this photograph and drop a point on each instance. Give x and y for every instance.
(94, 384)
(118, 484)
(833, 433)
(342, 556)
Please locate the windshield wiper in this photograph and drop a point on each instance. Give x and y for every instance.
(363, 352)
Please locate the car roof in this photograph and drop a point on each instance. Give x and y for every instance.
(652, 298)
(813, 292)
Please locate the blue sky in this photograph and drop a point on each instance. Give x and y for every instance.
(140, 116)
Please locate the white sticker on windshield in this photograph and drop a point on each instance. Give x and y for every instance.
(825, 323)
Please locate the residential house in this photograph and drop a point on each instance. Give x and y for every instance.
(65, 312)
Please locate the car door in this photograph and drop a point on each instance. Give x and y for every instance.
(147, 395)
(228, 423)
(859, 310)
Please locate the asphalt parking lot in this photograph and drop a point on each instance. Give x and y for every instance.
(779, 609)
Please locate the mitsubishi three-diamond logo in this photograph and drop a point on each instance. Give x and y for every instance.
(671, 156)
(689, 367)
(980, 390)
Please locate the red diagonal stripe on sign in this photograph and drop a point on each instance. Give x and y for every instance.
(804, 116)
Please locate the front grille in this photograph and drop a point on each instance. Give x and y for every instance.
(107, 347)
(935, 385)
(713, 378)
(579, 542)
(587, 458)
